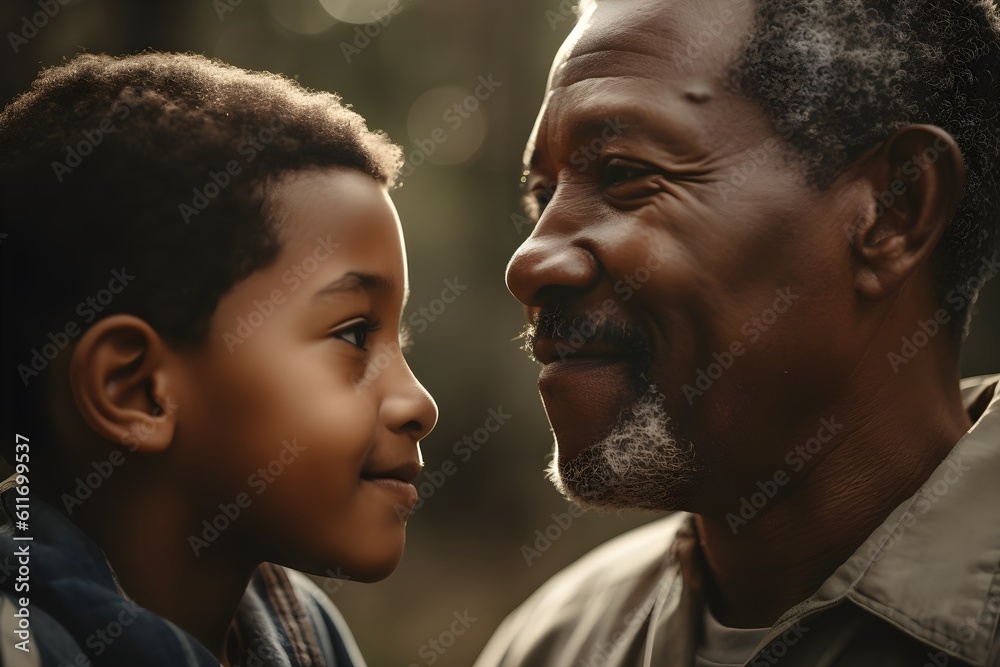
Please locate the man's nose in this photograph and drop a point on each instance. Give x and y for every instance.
(548, 267)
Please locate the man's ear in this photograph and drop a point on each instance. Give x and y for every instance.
(917, 178)
(123, 383)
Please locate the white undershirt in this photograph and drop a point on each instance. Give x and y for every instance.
(726, 647)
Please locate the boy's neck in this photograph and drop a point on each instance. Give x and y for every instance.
(146, 541)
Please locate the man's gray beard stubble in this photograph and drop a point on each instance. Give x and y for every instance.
(640, 465)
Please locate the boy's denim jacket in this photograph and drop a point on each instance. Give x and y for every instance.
(78, 616)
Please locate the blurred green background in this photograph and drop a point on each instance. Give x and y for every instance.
(460, 206)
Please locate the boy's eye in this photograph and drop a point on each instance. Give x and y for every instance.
(356, 334)
(356, 337)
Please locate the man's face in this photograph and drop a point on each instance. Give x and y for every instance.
(690, 289)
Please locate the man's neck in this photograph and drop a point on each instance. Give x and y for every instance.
(785, 554)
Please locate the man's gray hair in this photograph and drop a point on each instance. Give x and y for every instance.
(839, 76)
(842, 75)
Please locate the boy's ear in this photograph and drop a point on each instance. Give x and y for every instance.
(916, 178)
(123, 385)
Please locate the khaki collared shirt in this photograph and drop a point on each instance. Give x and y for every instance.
(922, 591)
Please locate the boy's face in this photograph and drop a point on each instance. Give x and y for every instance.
(301, 411)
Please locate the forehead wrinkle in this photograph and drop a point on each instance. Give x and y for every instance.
(643, 25)
(598, 38)
(623, 41)
(651, 37)
(662, 118)
(608, 63)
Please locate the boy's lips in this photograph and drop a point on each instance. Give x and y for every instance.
(397, 481)
(404, 472)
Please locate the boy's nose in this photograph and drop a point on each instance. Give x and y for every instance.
(411, 409)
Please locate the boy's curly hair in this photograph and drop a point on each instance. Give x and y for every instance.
(159, 163)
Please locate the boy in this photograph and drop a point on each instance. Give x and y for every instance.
(203, 267)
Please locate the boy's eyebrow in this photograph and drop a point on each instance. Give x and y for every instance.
(355, 281)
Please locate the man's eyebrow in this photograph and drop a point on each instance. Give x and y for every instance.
(583, 126)
(356, 281)
(531, 160)
(606, 123)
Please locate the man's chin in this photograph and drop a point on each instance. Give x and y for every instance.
(640, 465)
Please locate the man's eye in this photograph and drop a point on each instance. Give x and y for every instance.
(543, 197)
(618, 172)
(538, 199)
(356, 334)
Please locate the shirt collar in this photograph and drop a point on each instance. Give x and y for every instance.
(933, 567)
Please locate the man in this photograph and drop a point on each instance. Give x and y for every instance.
(762, 225)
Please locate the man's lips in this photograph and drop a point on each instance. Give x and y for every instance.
(554, 350)
(592, 367)
(584, 397)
